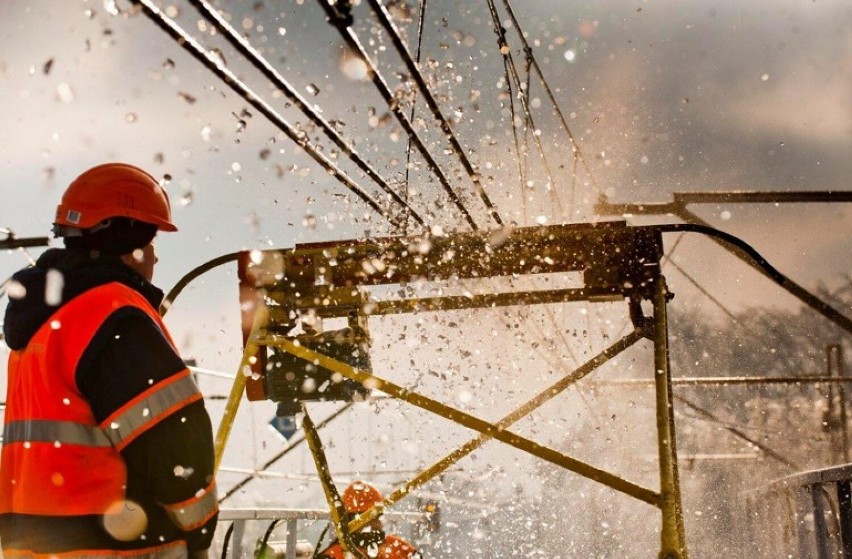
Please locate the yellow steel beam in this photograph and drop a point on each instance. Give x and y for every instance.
(672, 534)
(335, 503)
(237, 389)
(465, 419)
(533, 404)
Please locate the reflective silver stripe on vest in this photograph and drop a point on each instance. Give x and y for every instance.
(149, 410)
(193, 513)
(47, 431)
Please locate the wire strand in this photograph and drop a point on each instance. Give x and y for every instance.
(351, 39)
(258, 61)
(247, 94)
(386, 21)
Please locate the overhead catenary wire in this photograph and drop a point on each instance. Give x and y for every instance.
(213, 64)
(342, 22)
(421, 21)
(258, 61)
(575, 147)
(520, 156)
(414, 69)
(506, 53)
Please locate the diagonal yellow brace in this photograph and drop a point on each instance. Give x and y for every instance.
(335, 503)
(533, 404)
(465, 419)
(234, 398)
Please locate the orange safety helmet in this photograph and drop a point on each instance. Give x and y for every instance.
(359, 497)
(114, 190)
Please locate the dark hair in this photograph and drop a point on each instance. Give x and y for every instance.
(116, 236)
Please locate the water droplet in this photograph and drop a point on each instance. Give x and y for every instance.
(130, 118)
(16, 290)
(65, 93)
(111, 8)
(764, 78)
(570, 55)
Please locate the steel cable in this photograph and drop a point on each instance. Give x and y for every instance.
(202, 55)
(386, 21)
(506, 53)
(258, 61)
(341, 19)
(574, 145)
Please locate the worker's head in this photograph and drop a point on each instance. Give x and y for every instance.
(116, 209)
(359, 497)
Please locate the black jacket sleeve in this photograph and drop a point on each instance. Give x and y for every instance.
(173, 460)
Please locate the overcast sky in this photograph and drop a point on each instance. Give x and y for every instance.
(661, 97)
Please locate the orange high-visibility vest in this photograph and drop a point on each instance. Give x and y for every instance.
(57, 460)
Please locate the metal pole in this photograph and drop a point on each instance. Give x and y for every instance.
(672, 536)
(834, 362)
(237, 538)
(844, 501)
(820, 527)
(291, 538)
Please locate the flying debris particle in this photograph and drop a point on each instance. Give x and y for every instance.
(764, 78)
(282, 31)
(570, 55)
(159, 158)
(241, 124)
(265, 153)
(205, 133)
(47, 66)
(217, 57)
(187, 198)
(54, 282)
(183, 96)
(644, 160)
(65, 93)
(541, 220)
(182, 472)
(130, 118)
(90, 13)
(236, 167)
(173, 11)
(309, 221)
(111, 8)
(725, 215)
(168, 64)
(312, 89)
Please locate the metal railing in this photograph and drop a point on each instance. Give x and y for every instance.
(816, 507)
(293, 547)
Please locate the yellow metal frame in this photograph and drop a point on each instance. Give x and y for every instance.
(667, 499)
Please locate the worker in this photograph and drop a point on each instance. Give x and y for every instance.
(107, 447)
(371, 541)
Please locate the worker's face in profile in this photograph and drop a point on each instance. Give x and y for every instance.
(142, 260)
